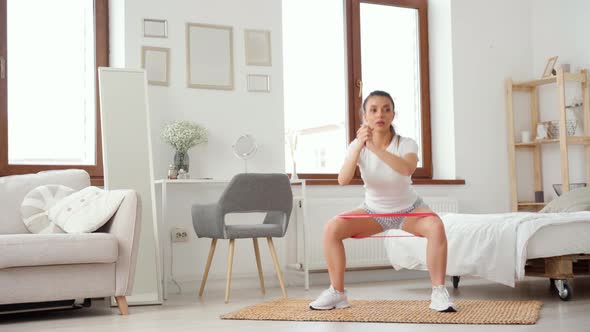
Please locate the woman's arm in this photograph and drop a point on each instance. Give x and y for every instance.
(349, 166)
(346, 174)
(405, 165)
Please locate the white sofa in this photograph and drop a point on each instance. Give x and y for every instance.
(55, 267)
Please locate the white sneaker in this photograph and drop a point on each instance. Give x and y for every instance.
(330, 299)
(441, 300)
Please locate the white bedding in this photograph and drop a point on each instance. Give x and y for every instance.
(545, 242)
(496, 246)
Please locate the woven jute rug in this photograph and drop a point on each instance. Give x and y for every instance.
(396, 311)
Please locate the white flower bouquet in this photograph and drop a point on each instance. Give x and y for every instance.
(182, 135)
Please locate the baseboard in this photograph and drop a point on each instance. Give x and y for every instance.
(359, 276)
(292, 278)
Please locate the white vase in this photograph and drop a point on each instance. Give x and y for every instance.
(294, 176)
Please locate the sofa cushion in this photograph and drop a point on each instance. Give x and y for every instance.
(14, 188)
(86, 210)
(18, 250)
(36, 204)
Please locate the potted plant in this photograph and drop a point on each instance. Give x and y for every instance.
(183, 135)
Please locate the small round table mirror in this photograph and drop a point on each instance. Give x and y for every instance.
(245, 148)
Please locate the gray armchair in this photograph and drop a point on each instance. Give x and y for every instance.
(270, 193)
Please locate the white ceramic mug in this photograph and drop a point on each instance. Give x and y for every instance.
(526, 136)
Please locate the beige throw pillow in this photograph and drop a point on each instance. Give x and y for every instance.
(85, 211)
(36, 204)
(571, 201)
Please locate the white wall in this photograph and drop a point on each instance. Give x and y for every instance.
(117, 33)
(491, 41)
(226, 114)
(442, 111)
(559, 28)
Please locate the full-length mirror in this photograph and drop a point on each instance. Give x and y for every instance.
(127, 153)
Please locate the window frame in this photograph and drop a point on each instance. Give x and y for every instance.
(353, 40)
(101, 25)
(353, 67)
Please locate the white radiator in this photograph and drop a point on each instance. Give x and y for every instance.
(363, 253)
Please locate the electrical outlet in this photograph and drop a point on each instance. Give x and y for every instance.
(179, 235)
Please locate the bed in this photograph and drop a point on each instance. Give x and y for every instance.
(506, 247)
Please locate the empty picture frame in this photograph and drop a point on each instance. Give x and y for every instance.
(257, 45)
(155, 28)
(156, 62)
(209, 56)
(258, 83)
(548, 71)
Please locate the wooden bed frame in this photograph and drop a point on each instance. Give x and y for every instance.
(558, 267)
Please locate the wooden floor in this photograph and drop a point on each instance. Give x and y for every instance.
(186, 312)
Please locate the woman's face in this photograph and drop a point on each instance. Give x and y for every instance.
(379, 113)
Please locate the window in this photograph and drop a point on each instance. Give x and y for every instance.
(315, 83)
(336, 52)
(48, 95)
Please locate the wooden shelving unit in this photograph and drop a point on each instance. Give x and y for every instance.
(531, 87)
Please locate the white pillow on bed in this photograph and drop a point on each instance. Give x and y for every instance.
(571, 201)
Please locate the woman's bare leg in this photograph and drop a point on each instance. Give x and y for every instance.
(433, 230)
(335, 231)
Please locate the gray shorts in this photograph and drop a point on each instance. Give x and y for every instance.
(395, 222)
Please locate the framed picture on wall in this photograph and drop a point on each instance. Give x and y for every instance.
(258, 83)
(258, 48)
(209, 56)
(156, 62)
(155, 28)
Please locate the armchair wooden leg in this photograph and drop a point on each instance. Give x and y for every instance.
(122, 304)
(277, 266)
(230, 259)
(209, 259)
(257, 253)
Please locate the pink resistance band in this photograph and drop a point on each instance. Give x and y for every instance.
(371, 215)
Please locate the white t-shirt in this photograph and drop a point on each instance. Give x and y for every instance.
(386, 190)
